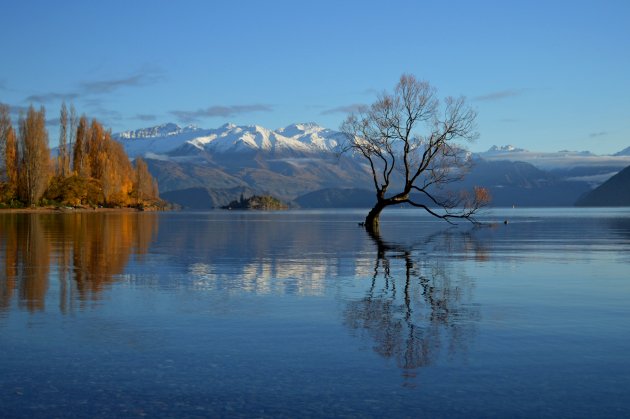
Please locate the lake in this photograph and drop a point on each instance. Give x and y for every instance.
(303, 314)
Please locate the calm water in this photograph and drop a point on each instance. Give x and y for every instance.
(232, 314)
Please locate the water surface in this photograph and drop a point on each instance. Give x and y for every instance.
(245, 314)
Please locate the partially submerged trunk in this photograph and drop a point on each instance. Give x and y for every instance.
(372, 219)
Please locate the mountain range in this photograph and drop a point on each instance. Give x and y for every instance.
(303, 164)
(615, 192)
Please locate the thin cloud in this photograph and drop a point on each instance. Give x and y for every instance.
(343, 109)
(145, 117)
(108, 86)
(220, 111)
(597, 134)
(142, 78)
(52, 97)
(370, 91)
(502, 94)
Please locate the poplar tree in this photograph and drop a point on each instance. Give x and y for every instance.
(34, 156)
(80, 163)
(5, 126)
(11, 160)
(143, 184)
(73, 122)
(63, 160)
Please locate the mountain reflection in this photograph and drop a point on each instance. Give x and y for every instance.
(75, 255)
(416, 309)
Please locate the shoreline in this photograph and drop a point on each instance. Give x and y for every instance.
(69, 210)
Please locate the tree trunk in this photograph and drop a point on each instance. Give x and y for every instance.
(372, 219)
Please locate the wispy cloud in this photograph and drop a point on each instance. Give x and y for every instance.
(91, 88)
(597, 134)
(109, 85)
(220, 111)
(499, 95)
(51, 97)
(144, 117)
(355, 107)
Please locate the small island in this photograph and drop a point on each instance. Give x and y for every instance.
(257, 202)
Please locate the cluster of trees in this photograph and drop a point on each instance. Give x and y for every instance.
(257, 202)
(90, 169)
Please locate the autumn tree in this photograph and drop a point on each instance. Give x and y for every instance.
(63, 159)
(5, 124)
(117, 174)
(79, 159)
(34, 156)
(72, 134)
(412, 143)
(11, 161)
(8, 156)
(144, 188)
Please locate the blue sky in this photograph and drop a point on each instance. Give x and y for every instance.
(543, 75)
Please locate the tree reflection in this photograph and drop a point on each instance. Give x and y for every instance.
(415, 310)
(27, 263)
(83, 251)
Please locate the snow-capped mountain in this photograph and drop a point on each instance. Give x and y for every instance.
(164, 130)
(504, 149)
(563, 159)
(170, 139)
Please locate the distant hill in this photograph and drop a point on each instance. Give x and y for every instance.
(337, 198)
(624, 152)
(191, 198)
(522, 184)
(615, 192)
(302, 163)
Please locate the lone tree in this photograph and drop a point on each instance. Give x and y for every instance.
(412, 142)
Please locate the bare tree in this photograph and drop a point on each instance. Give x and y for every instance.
(411, 141)
(34, 156)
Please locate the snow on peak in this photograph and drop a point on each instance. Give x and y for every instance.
(505, 149)
(229, 138)
(162, 130)
(228, 126)
(294, 130)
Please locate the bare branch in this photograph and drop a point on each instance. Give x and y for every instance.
(413, 141)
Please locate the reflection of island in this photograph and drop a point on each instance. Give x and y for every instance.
(414, 311)
(82, 251)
